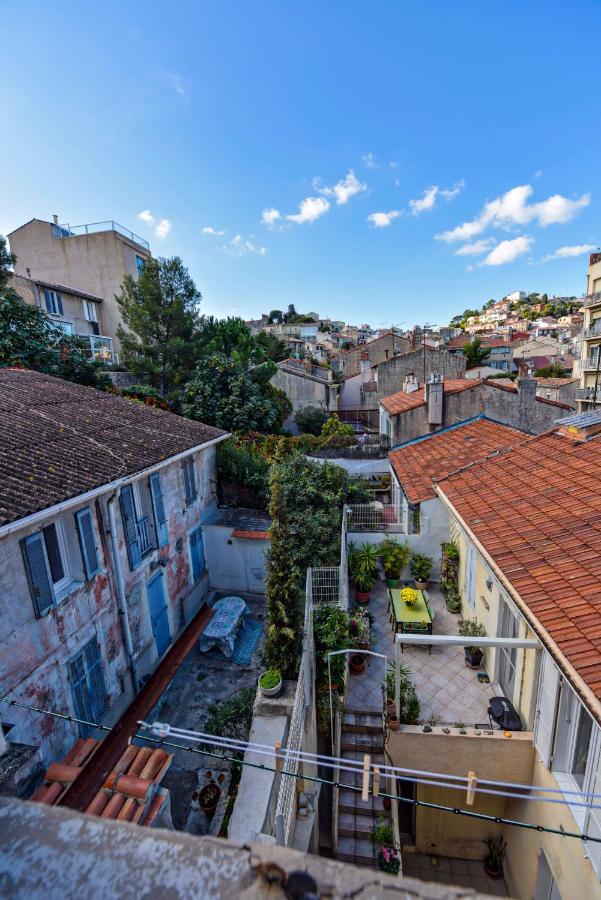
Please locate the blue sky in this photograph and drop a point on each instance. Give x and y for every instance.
(218, 115)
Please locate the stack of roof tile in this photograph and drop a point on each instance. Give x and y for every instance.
(130, 792)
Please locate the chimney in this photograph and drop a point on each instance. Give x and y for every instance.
(365, 367)
(410, 384)
(434, 396)
(526, 385)
(55, 219)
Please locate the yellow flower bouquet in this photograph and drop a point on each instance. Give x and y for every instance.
(409, 596)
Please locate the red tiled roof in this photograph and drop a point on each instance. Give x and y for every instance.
(62, 288)
(536, 512)
(402, 401)
(554, 382)
(419, 463)
(61, 439)
(129, 793)
(457, 343)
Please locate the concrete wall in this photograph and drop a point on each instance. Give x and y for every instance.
(72, 306)
(302, 391)
(391, 374)
(235, 564)
(377, 351)
(94, 262)
(34, 652)
(490, 756)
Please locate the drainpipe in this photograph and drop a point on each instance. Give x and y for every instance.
(123, 617)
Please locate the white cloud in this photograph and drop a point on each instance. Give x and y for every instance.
(309, 210)
(177, 84)
(512, 208)
(369, 160)
(239, 246)
(146, 216)
(346, 188)
(507, 251)
(162, 229)
(270, 216)
(573, 250)
(428, 201)
(382, 219)
(475, 248)
(538, 173)
(208, 229)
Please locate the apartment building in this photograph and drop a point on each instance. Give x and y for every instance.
(589, 392)
(94, 258)
(102, 557)
(74, 311)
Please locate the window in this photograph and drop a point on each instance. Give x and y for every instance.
(508, 628)
(158, 508)
(87, 542)
(89, 311)
(87, 686)
(66, 327)
(197, 554)
(140, 263)
(189, 480)
(54, 303)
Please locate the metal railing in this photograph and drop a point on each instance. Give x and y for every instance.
(589, 394)
(375, 517)
(592, 299)
(144, 535)
(67, 231)
(593, 331)
(590, 363)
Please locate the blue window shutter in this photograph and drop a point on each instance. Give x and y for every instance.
(87, 686)
(36, 565)
(189, 480)
(128, 514)
(59, 303)
(197, 554)
(48, 300)
(158, 508)
(87, 543)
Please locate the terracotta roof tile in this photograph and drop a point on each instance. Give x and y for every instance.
(402, 401)
(61, 439)
(536, 511)
(130, 791)
(419, 463)
(250, 535)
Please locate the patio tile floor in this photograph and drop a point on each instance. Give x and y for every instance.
(468, 873)
(449, 692)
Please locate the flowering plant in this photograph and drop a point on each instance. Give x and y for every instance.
(388, 860)
(409, 596)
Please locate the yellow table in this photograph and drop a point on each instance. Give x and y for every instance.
(411, 616)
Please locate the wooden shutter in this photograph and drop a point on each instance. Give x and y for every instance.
(59, 303)
(158, 508)
(197, 554)
(87, 542)
(546, 708)
(38, 575)
(189, 480)
(128, 515)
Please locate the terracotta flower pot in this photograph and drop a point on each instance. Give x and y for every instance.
(362, 596)
(357, 663)
(393, 723)
(208, 798)
(421, 585)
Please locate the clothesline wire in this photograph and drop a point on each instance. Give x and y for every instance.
(498, 820)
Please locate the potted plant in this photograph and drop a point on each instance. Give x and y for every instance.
(208, 798)
(387, 857)
(493, 861)
(453, 601)
(421, 567)
(393, 721)
(472, 628)
(270, 683)
(365, 561)
(409, 596)
(363, 586)
(359, 629)
(357, 663)
(394, 558)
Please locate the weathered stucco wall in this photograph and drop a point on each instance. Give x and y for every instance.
(393, 372)
(72, 306)
(34, 652)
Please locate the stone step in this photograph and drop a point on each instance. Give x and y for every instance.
(351, 802)
(356, 850)
(364, 743)
(356, 778)
(372, 709)
(360, 826)
(362, 723)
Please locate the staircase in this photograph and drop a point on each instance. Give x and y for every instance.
(362, 732)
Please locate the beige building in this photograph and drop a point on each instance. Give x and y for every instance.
(589, 393)
(94, 257)
(73, 311)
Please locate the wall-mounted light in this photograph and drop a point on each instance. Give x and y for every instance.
(489, 583)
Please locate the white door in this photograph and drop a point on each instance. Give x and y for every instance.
(545, 889)
(255, 570)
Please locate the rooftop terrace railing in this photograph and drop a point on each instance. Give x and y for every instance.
(67, 231)
(592, 299)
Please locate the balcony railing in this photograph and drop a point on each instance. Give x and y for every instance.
(591, 364)
(144, 536)
(375, 517)
(593, 331)
(592, 299)
(588, 395)
(67, 231)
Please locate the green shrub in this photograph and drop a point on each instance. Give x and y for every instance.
(270, 679)
(231, 718)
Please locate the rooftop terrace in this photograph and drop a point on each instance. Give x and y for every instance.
(67, 231)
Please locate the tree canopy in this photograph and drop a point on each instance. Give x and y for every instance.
(310, 419)
(475, 353)
(160, 311)
(7, 261)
